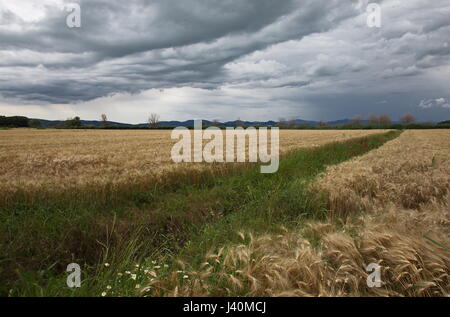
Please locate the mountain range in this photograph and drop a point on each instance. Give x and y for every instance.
(190, 123)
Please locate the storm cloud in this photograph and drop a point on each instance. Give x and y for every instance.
(253, 59)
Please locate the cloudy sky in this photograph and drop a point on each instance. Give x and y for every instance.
(224, 59)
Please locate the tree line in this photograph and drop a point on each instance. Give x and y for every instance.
(384, 119)
(16, 121)
(373, 121)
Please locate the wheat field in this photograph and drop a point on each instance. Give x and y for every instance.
(389, 207)
(87, 196)
(69, 158)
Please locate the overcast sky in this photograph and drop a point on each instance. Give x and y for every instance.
(224, 59)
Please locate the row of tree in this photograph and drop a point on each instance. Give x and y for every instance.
(373, 119)
(16, 121)
(19, 122)
(24, 122)
(383, 119)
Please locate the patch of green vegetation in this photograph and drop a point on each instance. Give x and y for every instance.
(182, 219)
(279, 200)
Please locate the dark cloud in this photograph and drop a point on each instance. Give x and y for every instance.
(153, 44)
(312, 58)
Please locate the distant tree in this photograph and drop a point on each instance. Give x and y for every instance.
(291, 123)
(34, 123)
(281, 122)
(104, 119)
(304, 125)
(356, 120)
(77, 122)
(407, 118)
(153, 120)
(73, 122)
(374, 119)
(384, 119)
(322, 124)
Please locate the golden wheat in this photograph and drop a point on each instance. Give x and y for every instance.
(58, 158)
(389, 207)
(409, 171)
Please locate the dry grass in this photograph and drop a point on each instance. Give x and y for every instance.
(390, 207)
(69, 158)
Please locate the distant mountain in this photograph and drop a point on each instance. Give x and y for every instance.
(187, 123)
(12, 121)
(339, 122)
(190, 123)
